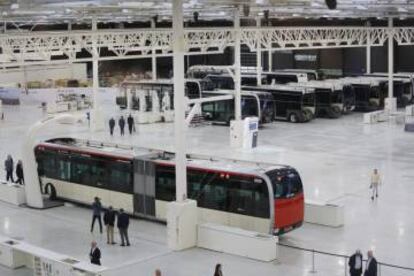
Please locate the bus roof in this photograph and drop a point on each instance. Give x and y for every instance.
(243, 92)
(284, 87)
(396, 76)
(360, 80)
(159, 81)
(129, 152)
(326, 84)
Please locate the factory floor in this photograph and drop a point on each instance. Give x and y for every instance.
(334, 158)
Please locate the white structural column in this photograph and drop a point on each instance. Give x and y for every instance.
(368, 52)
(179, 105)
(237, 66)
(154, 57)
(182, 213)
(259, 54)
(390, 102)
(96, 114)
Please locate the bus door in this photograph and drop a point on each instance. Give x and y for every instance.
(144, 187)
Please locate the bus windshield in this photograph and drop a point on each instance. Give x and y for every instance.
(286, 183)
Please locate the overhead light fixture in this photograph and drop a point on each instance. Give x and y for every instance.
(360, 7)
(14, 6)
(315, 4)
(331, 4)
(125, 11)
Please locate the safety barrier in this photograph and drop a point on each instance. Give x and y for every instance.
(385, 269)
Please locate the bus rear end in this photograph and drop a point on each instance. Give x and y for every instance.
(289, 199)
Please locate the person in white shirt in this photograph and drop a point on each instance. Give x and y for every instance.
(375, 182)
(355, 264)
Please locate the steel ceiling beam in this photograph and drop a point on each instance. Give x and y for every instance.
(136, 43)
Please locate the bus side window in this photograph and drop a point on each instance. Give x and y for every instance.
(261, 200)
(165, 184)
(119, 177)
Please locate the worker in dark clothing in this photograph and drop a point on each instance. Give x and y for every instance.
(111, 126)
(9, 166)
(130, 121)
(109, 221)
(97, 209)
(123, 224)
(95, 254)
(355, 264)
(121, 124)
(19, 173)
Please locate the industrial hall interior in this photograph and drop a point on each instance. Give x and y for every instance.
(206, 137)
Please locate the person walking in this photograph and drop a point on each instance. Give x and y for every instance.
(9, 166)
(121, 123)
(130, 121)
(95, 254)
(123, 224)
(371, 267)
(355, 264)
(111, 126)
(97, 210)
(19, 173)
(109, 221)
(218, 271)
(375, 182)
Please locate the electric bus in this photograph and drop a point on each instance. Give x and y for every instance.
(368, 93)
(258, 104)
(294, 104)
(332, 97)
(257, 197)
(283, 77)
(403, 86)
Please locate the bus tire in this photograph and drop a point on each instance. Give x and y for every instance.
(293, 117)
(52, 193)
(334, 112)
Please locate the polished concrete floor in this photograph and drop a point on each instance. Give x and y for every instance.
(334, 158)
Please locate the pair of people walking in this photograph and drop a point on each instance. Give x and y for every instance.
(122, 224)
(109, 219)
(121, 124)
(9, 167)
(356, 264)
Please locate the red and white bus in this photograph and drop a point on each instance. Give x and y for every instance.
(251, 196)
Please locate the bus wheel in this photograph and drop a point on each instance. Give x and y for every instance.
(51, 191)
(334, 112)
(293, 118)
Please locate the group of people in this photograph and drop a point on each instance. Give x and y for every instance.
(9, 168)
(356, 264)
(121, 123)
(109, 218)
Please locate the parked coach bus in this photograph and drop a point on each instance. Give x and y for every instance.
(332, 98)
(295, 104)
(251, 196)
(258, 104)
(368, 93)
(403, 87)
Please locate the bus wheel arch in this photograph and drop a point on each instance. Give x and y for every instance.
(293, 117)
